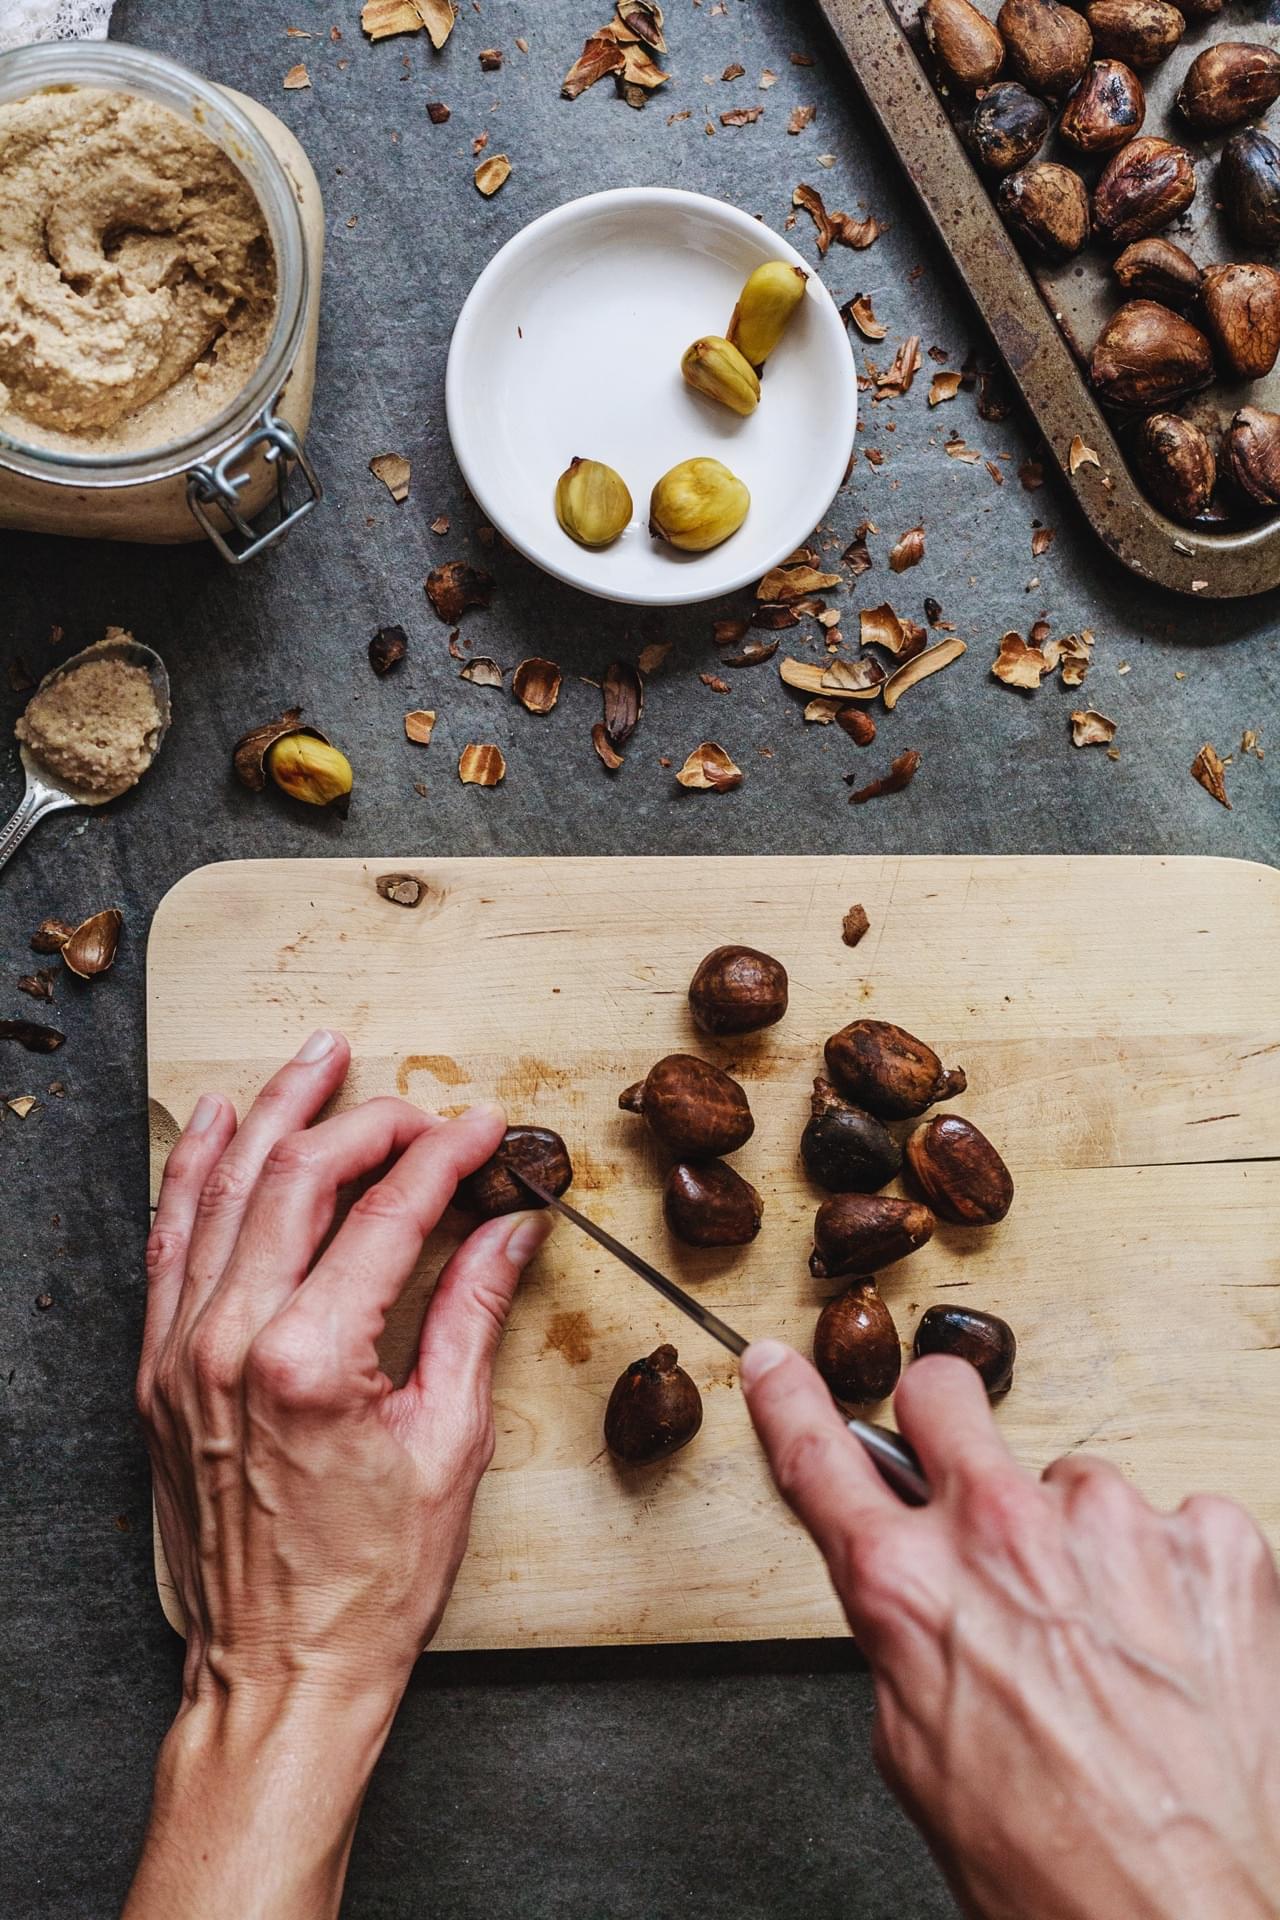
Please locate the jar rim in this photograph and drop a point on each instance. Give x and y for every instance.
(117, 67)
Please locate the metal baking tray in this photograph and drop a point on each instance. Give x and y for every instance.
(1044, 320)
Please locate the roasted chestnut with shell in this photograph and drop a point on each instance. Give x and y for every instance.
(1142, 33)
(695, 1109)
(494, 1188)
(1242, 317)
(965, 46)
(738, 990)
(959, 1172)
(860, 1232)
(1047, 45)
(983, 1339)
(1251, 455)
(1141, 189)
(1106, 109)
(1176, 464)
(845, 1149)
(709, 1205)
(654, 1410)
(1147, 356)
(1008, 126)
(856, 1347)
(1229, 83)
(1047, 204)
(1249, 182)
(888, 1071)
(1156, 269)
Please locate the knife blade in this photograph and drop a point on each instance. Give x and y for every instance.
(889, 1453)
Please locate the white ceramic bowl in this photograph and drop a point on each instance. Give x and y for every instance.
(570, 343)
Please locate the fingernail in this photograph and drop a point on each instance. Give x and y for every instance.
(203, 1115)
(530, 1232)
(487, 1110)
(320, 1043)
(761, 1357)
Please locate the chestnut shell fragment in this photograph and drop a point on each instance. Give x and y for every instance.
(654, 1409)
(493, 1189)
(845, 1149)
(888, 1071)
(856, 1347)
(695, 1109)
(711, 1205)
(738, 990)
(959, 1171)
(983, 1339)
(856, 1232)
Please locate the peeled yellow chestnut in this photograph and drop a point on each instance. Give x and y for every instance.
(654, 1409)
(964, 44)
(1141, 189)
(1249, 182)
(855, 1346)
(1251, 454)
(959, 1172)
(1242, 317)
(494, 1189)
(1229, 83)
(1147, 356)
(738, 990)
(1008, 126)
(697, 1111)
(888, 1071)
(1139, 32)
(845, 1149)
(1048, 205)
(1156, 269)
(983, 1339)
(859, 1232)
(1047, 45)
(1177, 465)
(1107, 108)
(709, 1205)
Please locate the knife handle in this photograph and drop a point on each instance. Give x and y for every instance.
(897, 1463)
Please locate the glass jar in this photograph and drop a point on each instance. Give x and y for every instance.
(248, 461)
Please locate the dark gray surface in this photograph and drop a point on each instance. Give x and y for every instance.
(732, 1782)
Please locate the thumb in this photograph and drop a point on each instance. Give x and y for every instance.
(821, 1471)
(468, 1311)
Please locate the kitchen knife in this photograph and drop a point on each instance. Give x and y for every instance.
(893, 1459)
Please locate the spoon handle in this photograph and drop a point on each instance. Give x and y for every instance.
(35, 803)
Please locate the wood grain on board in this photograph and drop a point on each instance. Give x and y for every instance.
(1119, 1020)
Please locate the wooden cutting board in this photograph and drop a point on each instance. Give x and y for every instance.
(1119, 1020)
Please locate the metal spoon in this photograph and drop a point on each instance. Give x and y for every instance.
(46, 793)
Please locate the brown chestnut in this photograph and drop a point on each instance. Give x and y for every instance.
(983, 1339)
(1229, 83)
(1147, 356)
(858, 1232)
(1251, 454)
(843, 1148)
(654, 1409)
(1142, 33)
(965, 46)
(855, 1346)
(494, 1189)
(1107, 108)
(888, 1071)
(696, 1110)
(1249, 182)
(1048, 205)
(710, 1205)
(959, 1172)
(1008, 126)
(738, 990)
(1141, 189)
(1154, 269)
(1242, 317)
(1176, 464)
(1047, 45)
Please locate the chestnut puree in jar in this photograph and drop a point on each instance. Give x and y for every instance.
(161, 243)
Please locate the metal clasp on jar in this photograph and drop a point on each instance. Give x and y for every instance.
(222, 484)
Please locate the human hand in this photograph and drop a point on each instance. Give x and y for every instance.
(1077, 1697)
(313, 1517)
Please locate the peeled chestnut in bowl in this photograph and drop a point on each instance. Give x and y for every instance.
(494, 1189)
(858, 1232)
(1177, 465)
(855, 1346)
(654, 1410)
(707, 1204)
(1008, 126)
(959, 1172)
(1106, 109)
(845, 1149)
(695, 1109)
(983, 1339)
(888, 1071)
(738, 990)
